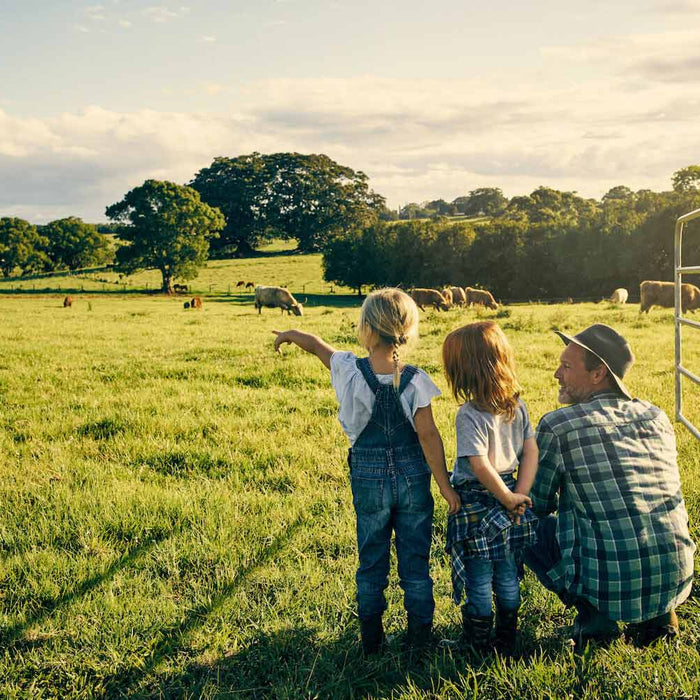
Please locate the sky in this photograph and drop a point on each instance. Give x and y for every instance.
(430, 99)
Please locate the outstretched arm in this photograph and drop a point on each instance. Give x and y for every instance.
(306, 341)
(434, 452)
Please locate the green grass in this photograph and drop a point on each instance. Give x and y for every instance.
(176, 519)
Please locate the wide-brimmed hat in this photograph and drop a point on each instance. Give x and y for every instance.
(609, 347)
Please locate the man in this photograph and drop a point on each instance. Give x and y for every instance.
(618, 548)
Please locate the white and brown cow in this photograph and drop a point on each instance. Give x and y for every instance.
(277, 298)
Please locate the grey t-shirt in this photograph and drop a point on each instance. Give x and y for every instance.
(480, 433)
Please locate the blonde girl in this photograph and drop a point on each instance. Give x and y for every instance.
(395, 445)
(494, 439)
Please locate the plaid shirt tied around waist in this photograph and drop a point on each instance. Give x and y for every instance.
(482, 529)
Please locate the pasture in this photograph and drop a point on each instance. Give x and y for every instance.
(176, 519)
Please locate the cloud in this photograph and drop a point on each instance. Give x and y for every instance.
(161, 13)
(415, 139)
(81, 28)
(680, 7)
(96, 13)
(125, 23)
(208, 38)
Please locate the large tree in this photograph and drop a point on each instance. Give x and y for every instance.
(310, 198)
(21, 246)
(169, 229)
(75, 244)
(687, 179)
(483, 201)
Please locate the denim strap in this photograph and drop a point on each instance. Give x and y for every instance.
(363, 364)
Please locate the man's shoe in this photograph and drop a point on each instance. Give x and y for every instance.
(591, 625)
(372, 634)
(662, 627)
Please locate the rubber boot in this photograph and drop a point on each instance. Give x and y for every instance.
(372, 634)
(418, 635)
(476, 631)
(506, 630)
(591, 625)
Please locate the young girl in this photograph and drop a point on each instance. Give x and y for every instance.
(494, 438)
(385, 412)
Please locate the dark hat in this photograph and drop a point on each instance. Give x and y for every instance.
(609, 347)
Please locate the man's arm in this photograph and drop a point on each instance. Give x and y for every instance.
(545, 490)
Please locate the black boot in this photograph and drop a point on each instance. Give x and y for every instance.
(476, 631)
(419, 634)
(591, 625)
(506, 630)
(372, 633)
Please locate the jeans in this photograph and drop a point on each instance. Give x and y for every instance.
(483, 576)
(545, 555)
(399, 501)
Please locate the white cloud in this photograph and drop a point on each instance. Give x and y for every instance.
(96, 13)
(125, 23)
(161, 13)
(208, 38)
(81, 28)
(677, 6)
(213, 88)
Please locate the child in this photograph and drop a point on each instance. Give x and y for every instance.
(494, 438)
(385, 412)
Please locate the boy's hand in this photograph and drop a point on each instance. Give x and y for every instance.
(515, 502)
(453, 501)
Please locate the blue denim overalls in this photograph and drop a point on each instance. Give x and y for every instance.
(391, 491)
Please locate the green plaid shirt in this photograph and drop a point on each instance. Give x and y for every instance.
(609, 466)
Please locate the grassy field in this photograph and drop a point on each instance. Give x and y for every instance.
(176, 518)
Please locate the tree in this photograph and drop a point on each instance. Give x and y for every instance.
(618, 192)
(483, 201)
(687, 179)
(75, 244)
(239, 188)
(310, 198)
(21, 246)
(170, 228)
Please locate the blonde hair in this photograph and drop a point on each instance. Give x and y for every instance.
(388, 316)
(480, 367)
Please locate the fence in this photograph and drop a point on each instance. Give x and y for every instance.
(679, 321)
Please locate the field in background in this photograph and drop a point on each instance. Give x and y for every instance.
(176, 519)
(275, 265)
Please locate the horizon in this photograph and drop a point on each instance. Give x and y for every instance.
(430, 105)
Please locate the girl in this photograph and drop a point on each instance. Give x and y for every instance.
(494, 438)
(385, 412)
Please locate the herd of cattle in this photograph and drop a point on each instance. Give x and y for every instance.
(651, 293)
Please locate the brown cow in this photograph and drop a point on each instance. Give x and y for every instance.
(655, 293)
(250, 284)
(240, 283)
(480, 296)
(429, 297)
(447, 293)
(68, 301)
(196, 303)
(459, 296)
(180, 288)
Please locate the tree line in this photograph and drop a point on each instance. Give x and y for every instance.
(545, 245)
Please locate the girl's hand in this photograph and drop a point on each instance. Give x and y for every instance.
(282, 337)
(453, 501)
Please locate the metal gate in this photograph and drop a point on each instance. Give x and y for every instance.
(679, 321)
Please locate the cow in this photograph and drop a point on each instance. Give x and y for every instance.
(277, 298)
(619, 296)
(249, 284)
(447, 293)
(459, 297)
(68, 301)
(480, 296)
(180, 288)
(429, 297)
(196, 303)
(187, 304)
(655, 293)
(240, 283)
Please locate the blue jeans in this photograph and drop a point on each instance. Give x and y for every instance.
(484, 577)
(398, 501)
(545, 555)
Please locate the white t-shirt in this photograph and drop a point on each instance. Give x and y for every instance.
(356, 399)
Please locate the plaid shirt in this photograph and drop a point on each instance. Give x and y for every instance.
(482, 529)
(609, 466)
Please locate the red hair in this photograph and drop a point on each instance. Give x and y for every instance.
(480, 367)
